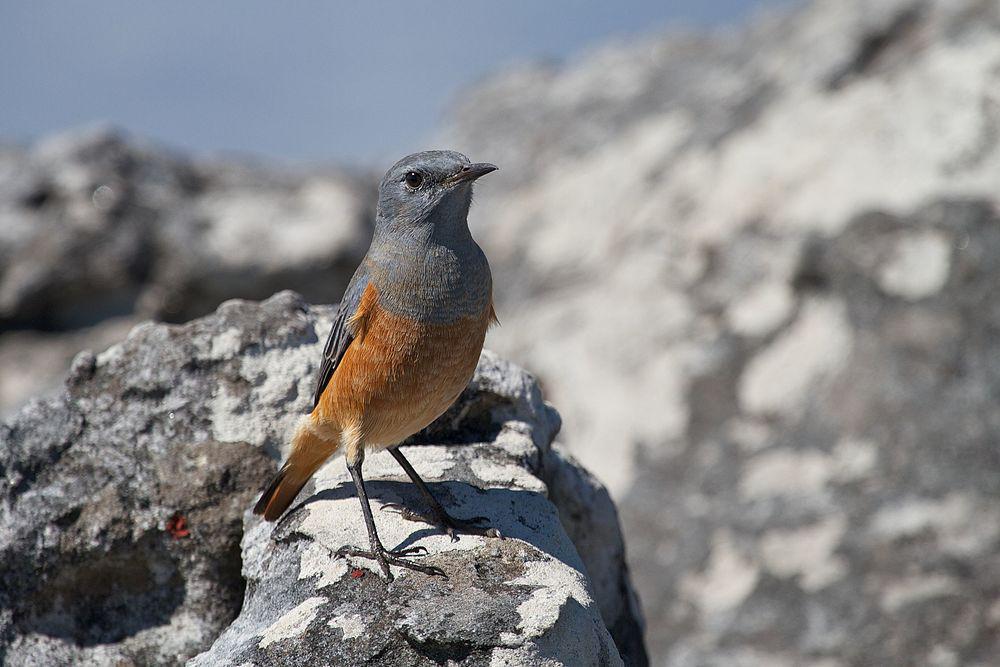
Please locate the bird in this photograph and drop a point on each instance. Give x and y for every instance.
(405, 342)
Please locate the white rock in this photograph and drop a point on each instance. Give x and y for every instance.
(919, 266)
(778, 380)
(763, 310)
(727, 580)
(807, 552)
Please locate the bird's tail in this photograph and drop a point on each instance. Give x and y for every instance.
(309, 451)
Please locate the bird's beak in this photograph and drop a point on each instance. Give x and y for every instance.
(471, 172)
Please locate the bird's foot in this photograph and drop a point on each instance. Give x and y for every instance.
(397, 557)
(450, 525)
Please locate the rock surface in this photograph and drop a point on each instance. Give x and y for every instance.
(836, 497)
(125, 535)
(771, 255)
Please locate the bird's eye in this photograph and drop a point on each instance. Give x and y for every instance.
(413, 179)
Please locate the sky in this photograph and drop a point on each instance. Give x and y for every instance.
(305, 81)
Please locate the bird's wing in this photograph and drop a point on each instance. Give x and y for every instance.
(342, 333)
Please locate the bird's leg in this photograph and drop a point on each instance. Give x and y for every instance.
(378, 552)
(439, 517)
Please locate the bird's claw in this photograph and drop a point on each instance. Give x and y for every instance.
(409, 551)
(473, 526)
(402, 510)
(451, 526)
(385, 558)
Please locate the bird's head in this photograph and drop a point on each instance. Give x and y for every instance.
(432, 187)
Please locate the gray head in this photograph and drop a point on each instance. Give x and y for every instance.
(428, 188)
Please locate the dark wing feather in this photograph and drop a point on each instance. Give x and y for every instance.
(341, 334)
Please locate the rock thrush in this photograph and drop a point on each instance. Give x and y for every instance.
(404, 343)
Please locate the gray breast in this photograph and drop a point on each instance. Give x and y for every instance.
(436, 285)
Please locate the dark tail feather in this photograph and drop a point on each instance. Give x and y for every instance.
(277, 496)
(308, 453)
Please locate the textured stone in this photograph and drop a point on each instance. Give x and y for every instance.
(856, 521)
(918, 267)
(126, 536)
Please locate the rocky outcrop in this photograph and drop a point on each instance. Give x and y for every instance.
(96, 224)
(126, 537)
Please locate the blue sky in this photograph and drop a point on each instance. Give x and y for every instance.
(299, 81)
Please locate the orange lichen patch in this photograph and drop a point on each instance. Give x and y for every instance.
(399, 375)
(177, 526)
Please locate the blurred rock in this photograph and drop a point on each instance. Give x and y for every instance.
(95, 225)
(835, 497)
(765, 260)
(629, 172)
(126, 537)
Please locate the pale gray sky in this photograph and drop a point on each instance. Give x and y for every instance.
(308, 80)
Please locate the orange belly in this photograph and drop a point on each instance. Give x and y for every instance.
(398, 376)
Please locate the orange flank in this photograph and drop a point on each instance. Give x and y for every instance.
(398, 375)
